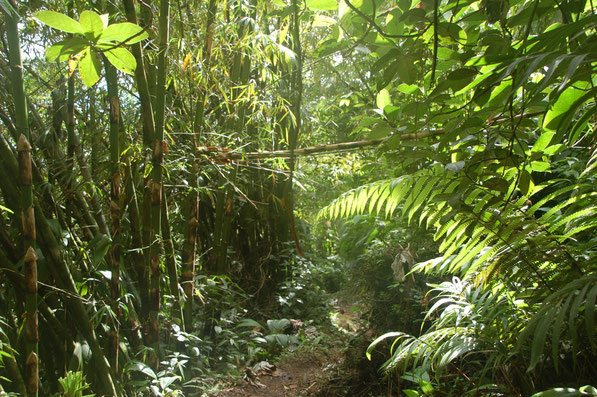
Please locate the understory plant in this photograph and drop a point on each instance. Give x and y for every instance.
(490, 131)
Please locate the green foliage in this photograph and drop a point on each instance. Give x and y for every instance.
(93, 37)
(484, 113)
(568, 392)
(73, 385)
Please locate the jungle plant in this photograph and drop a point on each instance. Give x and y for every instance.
(73, 385)
(93, 37)
(484, 139)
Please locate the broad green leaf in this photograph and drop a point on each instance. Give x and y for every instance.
(141, 367)
(559, 392)
(460, 78)
(383, 99)
(89, 67)
(413, 16)
(59, 21)
(380, 131)
(277, 326)
(540, 166)
(248, 322)
(589, 315)
(393, 26)
(408, 88)
(322, 21)
(589, 389)
(166, 381)
(542, 142)
(105, 19)
(63, 50)
(561, 107)
(126, 32)
(92, 23)
(405, 68)
(122, 59)
(54, 51)
(322, 4)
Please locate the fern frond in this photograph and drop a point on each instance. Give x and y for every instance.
(385, 195)
(565, 303)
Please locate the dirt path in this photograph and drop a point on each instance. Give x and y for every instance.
(305, 372)
(296, 376)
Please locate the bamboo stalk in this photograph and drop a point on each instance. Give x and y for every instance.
(170, 258)
(115, 251)
(189, 249)
(152, 194)
(156, 186)
(27, 215)
(221, 155)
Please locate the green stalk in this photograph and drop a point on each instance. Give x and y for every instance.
(152, 197)
(189, 249)
(170, 257)
(141, 79)
(27, 214)
(156, 185)
(115, 252)
(295, 124)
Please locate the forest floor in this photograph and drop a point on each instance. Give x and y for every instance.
(328, 363)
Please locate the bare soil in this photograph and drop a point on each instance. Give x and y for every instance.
(299, 375)
(338, 368)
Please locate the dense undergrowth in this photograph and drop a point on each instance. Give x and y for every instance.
(191, 203)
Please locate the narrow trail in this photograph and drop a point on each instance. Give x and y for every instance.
(309, 370)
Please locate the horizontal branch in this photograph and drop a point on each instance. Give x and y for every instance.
(223, 155)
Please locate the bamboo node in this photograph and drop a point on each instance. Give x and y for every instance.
(23, 144)
(114, 208)
(32, 364)
(30, 256)
(158, 150)
(114, 110)
(30, 260)
(156, 192)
